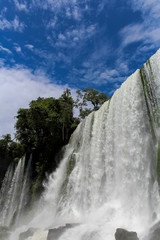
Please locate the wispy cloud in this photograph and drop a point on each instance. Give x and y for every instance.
(18, 49)
(21, 6)
(72, 36)
(68, 44)
(71, 8)
(147, 7)
(29, 46)
(52, 23)
(102, 75)
(96, 70)
(140, 32)
(5, 24)
(146, 31)
(3, 49)
(15, 24)
(132, 33)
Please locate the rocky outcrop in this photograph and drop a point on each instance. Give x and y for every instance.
(26, 234)
(57, 232)
(122, 234)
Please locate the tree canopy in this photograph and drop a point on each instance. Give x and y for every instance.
(89, 97)
(9, 149)
(43, 129)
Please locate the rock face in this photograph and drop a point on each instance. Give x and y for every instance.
(55, 233)
(154, 232)
(122, 234)
(26, 234)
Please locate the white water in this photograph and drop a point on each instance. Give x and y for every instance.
(5, 186)
(24, 192)
(12, 195)
(14, 192)
(107, 178)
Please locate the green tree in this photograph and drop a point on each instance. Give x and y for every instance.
(4, 145)
(66, 114)
(9, 149)
(89, 96)
(43, 129)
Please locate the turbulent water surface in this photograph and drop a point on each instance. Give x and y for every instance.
(108, 176)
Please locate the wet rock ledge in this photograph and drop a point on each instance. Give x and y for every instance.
(122, 234)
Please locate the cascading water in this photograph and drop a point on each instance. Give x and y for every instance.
(5, 186)
(14, 193)
(24, 191)
(108, 176)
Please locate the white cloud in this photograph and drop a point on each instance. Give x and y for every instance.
(95, 69)
(15, 25)
(61, 37)
(109, 74)
(18, 87)
(21, 6)
(70, 8)
(52, 23)
(132, 33)
(148, 34)
(147, 7)
(3, 49)
(71, 36)
(148, 30)
(100, 74)
(82, 32)
(29, 46)
(5, 24)
(18, 49)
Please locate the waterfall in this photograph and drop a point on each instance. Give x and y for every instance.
(5, 185)
(108, 176)
(24, 196)
(14, 193)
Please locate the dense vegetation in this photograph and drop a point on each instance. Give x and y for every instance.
(9, 151)
(89, 97)
(46, 126)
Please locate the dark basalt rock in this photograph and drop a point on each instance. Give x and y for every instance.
(55, 233)
(26, 234)
(122, 234)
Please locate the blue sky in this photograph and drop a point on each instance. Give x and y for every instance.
(48, 45)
